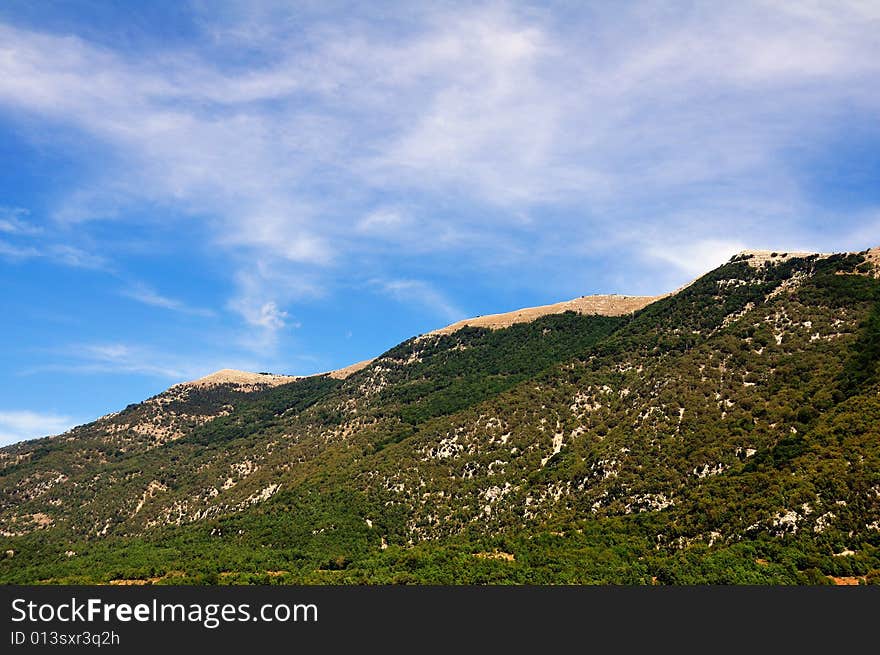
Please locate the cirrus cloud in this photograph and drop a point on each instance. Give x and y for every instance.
(597, 123)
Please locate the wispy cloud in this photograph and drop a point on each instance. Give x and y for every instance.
(264, 324)
(383, 221)
(264, 291)
(615, 119)
(695, 258)
(11, 251)
(125, 358)
(12, 221)
(19, 425)
(28, 241)
(76, 257)
(146, 360)
(115, 358)
(149, 296)
(421, 294)
(55, 253)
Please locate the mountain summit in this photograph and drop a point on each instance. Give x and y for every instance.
(728, 432)
(607, 305)
(241, 379)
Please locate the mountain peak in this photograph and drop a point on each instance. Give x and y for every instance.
(757, 258)
(602, 305)
(240, 378)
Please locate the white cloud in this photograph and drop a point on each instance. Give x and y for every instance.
(632, 115)
(422, 294)
(56, 253)
(695, 258)
(124, 358)
(264, 323)
(128, 359)
(148, 296)
(14, 252)
(148, 361)
(11, 221)
(490, 119)
(383, 221)
(263, 289)
(20, 425)
(270, 317)
(75, 257)
(231, 165)
(33, 242)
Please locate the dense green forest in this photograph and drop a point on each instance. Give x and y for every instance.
(726, 434)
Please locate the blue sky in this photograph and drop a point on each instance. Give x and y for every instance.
(293, 187)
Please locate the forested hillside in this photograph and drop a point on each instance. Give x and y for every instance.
(728, 433)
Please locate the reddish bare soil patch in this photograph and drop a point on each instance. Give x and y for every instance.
(848, 581)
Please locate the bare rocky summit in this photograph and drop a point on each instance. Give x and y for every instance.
(242, 380)
(600, 305)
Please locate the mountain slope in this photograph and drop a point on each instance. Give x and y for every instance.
(726, 433)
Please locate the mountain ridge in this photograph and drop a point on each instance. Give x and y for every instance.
(600, 304)
(729, 432)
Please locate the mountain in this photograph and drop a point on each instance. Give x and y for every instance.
(728, 432)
